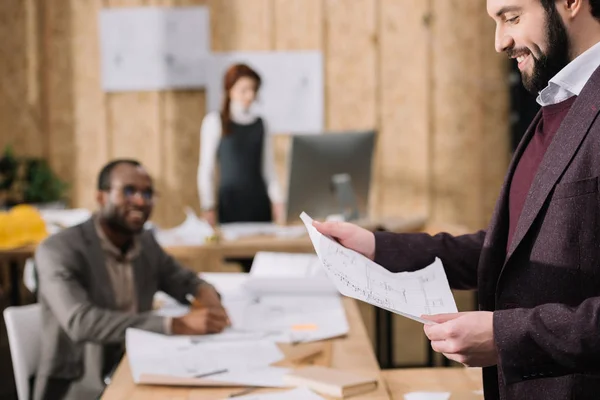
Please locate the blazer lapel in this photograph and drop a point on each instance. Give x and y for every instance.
(569, 136)
(495, 241)
(97, 261)
(140, 270)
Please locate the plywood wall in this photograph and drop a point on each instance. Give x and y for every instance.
(424, 78)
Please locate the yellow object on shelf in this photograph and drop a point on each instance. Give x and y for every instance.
(22, 225)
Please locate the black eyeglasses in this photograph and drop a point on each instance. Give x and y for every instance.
(130, 191)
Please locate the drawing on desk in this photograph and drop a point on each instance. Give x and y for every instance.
(410, 294)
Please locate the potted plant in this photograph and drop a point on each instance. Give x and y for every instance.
(30, 181)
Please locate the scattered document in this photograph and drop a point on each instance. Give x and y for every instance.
(291, 319)
(57, 220)
(192, 232)
(410, 294)
(179, 356)
(296, 394)
(239, 230)
(275, 273)
(272, 264)
(259, 376)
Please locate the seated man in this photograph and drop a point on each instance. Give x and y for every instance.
(97, 279)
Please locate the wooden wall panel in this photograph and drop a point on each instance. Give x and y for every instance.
(91, 140)
(59, 96)
(182, 116)
(458, 120)
(402, 167)
(241, 24)
(351, 64)
(20, 90)
(495, 108)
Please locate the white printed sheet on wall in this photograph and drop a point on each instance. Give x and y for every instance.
(291, 94)
(154, 48)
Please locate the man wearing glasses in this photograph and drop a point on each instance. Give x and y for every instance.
(97, 279)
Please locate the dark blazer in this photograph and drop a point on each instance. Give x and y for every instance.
(545, 290)
(81, 324)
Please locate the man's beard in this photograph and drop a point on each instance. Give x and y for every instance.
(556, 58)
(118, 224)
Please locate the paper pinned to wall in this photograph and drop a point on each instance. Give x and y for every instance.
(291, 94)
(154, 48)
(410, 294)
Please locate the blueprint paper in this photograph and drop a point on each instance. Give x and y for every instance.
(154, 48)
(410, 294)
(178, 356)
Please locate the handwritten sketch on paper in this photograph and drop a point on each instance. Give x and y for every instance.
(154, 48)
(409, 294)
(291, 94)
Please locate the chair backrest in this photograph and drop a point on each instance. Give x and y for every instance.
(24, 325)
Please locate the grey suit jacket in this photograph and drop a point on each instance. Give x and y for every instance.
(78, 302)
(545, 290)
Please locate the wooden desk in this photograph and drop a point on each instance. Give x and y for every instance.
(212, 254)
(463, 383)
(352, 353)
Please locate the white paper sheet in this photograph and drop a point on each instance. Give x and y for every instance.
(192, 232)
(410, 294)
(427, 396)
(260, 376)
(280, 317)
(288, 273)
(239, 230)
(154, 48)
(296, 394)
(156, 354)
(291, 94)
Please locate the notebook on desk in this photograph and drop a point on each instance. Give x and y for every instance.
(330, 381)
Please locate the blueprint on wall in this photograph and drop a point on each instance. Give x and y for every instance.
(410, 294)
(291, 95)
(154, 48)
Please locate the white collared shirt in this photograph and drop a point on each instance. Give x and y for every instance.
(571, 79)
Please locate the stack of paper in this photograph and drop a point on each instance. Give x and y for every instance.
(192, 232)
(288, 273)
(152, 356)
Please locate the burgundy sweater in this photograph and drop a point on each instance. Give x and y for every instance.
(552, 117)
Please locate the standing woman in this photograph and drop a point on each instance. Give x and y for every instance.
(236, 141)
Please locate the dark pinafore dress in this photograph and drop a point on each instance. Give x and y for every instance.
(243, 195)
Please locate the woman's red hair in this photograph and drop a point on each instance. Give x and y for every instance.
(232, 75)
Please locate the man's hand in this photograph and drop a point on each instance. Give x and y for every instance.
(278, 213)
(349, 236)
(467, 337)
(210, 216)
(200, 322)
(208, 296)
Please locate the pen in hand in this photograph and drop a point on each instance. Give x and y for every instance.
(197, 305)
(194, 302)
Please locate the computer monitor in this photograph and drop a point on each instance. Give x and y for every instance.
(320, 164)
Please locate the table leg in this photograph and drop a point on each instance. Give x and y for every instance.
(384, 334)
(15, 283)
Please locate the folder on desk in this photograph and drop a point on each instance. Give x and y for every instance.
(329, 381)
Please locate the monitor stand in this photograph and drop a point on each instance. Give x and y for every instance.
(342, 187)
